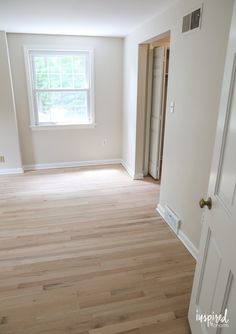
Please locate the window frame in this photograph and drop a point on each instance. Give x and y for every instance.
(34, 124)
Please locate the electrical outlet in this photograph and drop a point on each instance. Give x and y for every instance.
(2, 159)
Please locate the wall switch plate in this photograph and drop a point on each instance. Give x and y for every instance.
(172, 106)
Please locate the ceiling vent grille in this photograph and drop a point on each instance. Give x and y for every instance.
(192, 21)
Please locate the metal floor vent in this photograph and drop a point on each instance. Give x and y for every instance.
(172, 219)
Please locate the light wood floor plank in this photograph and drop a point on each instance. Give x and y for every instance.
(83, 251)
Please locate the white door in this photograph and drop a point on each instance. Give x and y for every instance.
(214, 288)
(155, 127)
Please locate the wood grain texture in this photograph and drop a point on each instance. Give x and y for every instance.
(83, 251)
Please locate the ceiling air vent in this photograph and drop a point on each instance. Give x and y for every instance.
(192, 20)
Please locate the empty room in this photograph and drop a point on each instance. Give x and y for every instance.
(117, 167)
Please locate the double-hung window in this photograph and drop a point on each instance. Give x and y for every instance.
(60, 87)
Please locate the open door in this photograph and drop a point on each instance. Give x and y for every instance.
(156, 112)
(214, 288)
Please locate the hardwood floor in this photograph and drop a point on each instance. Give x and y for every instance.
(83, 251)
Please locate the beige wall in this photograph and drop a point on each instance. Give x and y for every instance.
(61, 146)
(9, 144)
(195, 76)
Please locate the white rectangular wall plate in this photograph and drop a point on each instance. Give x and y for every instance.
(172, 106)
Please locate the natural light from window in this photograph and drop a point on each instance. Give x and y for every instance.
(60, 87)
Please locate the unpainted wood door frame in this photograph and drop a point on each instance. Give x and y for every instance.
(149, 110)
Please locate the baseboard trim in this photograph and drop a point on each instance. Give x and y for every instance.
(160, 210)
(138, 176)
(188, 244)
(127, 168)
(135, 176)
(181, 235)
(10, 171)
(72, 164)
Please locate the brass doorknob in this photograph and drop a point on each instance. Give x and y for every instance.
(207, 203)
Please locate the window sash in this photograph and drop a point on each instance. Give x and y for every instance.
(45, 53)
(34, 90)
(36, 110)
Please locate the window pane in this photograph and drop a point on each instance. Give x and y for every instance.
(62, 107)
(57, 78)
(67, 81)
(67, 64)
(42, 81)
(55, 81)
(54, 64)
(53, 71)
(79, 64)
(80, 81)
(40, 63)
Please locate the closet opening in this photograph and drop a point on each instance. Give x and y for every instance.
(157, 87)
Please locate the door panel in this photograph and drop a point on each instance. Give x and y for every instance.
(231, 297)
(209, 274)
(226, 178)
(214, 288)
(157, 90)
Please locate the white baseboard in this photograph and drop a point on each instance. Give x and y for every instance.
(127, 168)
(135, 176)
(181, 235)
(138, 176)
(72, 164)
(9, 171)
(161, 210)
(188, 244)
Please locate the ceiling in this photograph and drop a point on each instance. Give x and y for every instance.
(78, 17)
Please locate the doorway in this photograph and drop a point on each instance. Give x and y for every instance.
(158, 54)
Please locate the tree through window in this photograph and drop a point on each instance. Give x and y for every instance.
(60, 87)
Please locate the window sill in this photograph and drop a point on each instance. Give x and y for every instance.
(62, 127)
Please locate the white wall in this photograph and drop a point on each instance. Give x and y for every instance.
(195, 76)
(58, 146)
(9, 144)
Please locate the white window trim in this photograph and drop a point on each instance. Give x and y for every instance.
(33, 124)
(62, 126)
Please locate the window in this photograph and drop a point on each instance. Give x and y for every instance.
(60, 87)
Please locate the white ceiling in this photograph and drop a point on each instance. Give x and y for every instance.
(78, 17)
